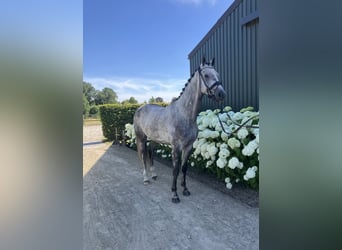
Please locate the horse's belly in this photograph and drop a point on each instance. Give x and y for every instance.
(159, 136)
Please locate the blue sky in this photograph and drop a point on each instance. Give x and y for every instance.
(140, 48)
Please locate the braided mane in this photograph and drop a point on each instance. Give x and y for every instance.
(186, 84)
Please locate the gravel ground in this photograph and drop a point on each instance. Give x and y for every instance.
(119, 212)
(93, 146)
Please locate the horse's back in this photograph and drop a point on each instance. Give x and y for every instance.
(151, 120)
(148, 111)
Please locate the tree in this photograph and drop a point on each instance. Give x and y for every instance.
(159, 99)
(152, 100)
(131, 100)
(93, 110)
(89, 92)
(107, 95)
(85, 105)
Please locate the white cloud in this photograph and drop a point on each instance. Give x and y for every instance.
(196, 2)
(141, 89)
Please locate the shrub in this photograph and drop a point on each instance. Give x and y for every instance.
(231, 157)
(114, 117)
(93, 110)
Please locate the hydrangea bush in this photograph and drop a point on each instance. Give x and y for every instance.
(232, 157)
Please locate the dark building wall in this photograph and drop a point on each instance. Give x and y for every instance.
(233, 41)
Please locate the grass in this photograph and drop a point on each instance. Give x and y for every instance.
(91, 122)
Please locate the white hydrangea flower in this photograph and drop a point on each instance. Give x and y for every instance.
(247, 150)
(212, 149)
(240, 165)
(130, 130)
(205, 122)
(210, 112)
(230, 113)
(201, 142)
(224, 136)
(218, 127)
(227, 109)
(224, 153)
(249, 108)
(201, 127)
(250, 174)
(253, 144)
(221, 163)
(223, 145)
(233, 163)
(233, 143)
(204, 147)
(223, 117)
(245, 119)
(257, 138)
(209, 163)
(199, 119)
(228, 184)
(194, 145)
(242, 133)
(255, 131)
(206, 155)
(192, 164)
(206, 133)
(214, 134)
(214, 122)
(237, 116)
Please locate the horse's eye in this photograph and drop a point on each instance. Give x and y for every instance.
(206, 76)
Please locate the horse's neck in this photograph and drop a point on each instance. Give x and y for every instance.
(190, 100)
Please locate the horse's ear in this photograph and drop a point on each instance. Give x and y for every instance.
(203, 61)
(212, 61)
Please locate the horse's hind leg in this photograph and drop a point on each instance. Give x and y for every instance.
(142, 152)
(152, 168)
(185, 156)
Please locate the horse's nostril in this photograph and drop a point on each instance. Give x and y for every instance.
(221, 95)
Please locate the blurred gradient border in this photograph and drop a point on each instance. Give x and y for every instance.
(41, 124)
(301, 139)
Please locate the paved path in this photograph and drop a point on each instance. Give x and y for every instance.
(119, 212)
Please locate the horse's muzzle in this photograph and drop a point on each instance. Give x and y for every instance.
(219, 94)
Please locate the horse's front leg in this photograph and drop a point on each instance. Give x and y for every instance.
(185, 156)
(176, 165)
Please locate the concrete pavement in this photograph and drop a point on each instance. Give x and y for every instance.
(120, 212)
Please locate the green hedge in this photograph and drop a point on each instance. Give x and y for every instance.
(116, 116)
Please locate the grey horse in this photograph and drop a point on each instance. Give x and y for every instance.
(176, 124)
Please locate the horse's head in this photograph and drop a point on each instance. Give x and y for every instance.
(209, 79)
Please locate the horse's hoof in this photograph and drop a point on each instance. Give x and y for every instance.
(175, 199)
(154, 177)
(146, 182)
(186, 192)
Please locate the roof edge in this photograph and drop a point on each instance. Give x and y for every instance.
(230, 9)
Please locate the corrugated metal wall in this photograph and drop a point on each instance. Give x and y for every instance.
(233, 43)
